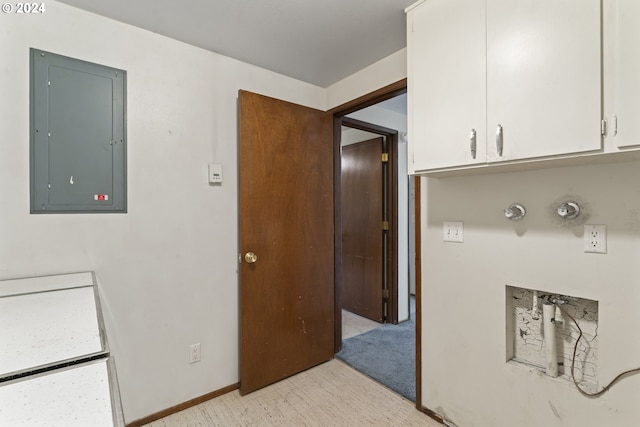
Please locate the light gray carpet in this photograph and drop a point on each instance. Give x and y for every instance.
(387, 354)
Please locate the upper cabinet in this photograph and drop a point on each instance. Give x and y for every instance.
(622, 72)
(500, 81)
(544, 83)
(447, 83)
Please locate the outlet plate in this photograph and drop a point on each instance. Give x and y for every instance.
(595, 239)
(194, 353)
(453, 231)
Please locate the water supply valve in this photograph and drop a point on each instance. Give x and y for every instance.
(515, 212)
(568, 210)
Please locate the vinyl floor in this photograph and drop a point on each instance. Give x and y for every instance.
(353, 325)
(331, 394)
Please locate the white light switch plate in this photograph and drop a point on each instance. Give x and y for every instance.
(215, 173)
(453, 232)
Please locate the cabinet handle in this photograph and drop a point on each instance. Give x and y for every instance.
(499, 138)
(472, 140)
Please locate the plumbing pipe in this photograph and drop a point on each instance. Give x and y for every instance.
(550, 346)
(558, 318)
(558, 301)
(535, 315)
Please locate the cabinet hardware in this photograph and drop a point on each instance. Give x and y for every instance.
(499, 138)
(473, 143)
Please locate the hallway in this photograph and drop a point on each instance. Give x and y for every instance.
(383, 352)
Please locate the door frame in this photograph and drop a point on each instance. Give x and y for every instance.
(339, 113)
(382, 94)
(391, 135)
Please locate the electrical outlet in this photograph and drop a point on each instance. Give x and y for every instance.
(595, 239)
(453, 232)
(194, 353)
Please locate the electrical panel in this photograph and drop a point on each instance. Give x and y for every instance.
(78, 135)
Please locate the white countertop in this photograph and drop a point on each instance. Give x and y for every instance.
(47, 327)
(78, 396)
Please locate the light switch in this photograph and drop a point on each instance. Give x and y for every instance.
(215, 173)
(453, 232)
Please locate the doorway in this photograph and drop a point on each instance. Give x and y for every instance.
(257, 116)
(369, 213)
(364, 235)
(358, 117)
(398, 307)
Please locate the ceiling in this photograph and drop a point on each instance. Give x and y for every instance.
(316, 41)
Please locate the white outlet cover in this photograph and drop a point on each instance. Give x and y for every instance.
(453, 231)
(194, 353)
(595, 239)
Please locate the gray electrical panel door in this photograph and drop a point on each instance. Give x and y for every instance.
(78, 136)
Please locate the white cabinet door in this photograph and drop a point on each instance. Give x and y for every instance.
(446, 78)
(625, 33)
(544, 77)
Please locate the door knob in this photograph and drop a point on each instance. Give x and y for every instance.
(250, 257)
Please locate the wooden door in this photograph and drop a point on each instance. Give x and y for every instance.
(286, 221)
(362, 233)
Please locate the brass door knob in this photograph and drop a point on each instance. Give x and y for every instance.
(250, 257)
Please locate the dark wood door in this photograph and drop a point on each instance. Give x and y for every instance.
(286, 220)
(362, 233)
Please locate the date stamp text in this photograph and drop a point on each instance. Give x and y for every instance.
(23, 8)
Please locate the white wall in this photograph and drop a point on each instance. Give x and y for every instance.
(353, 136)
(388, 70)
(465, 377)
(167, 268)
